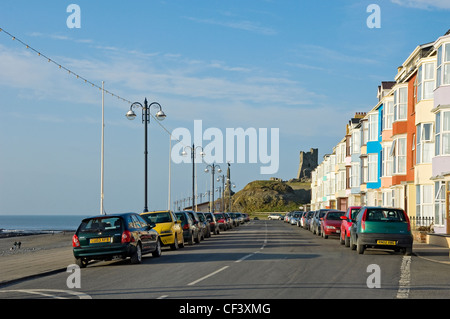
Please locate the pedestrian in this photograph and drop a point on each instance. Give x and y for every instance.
(19, 244)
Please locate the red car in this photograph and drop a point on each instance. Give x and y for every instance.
(346, 224)
(330, 224)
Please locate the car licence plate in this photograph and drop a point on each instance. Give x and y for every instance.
(386, 242)
(100, 240)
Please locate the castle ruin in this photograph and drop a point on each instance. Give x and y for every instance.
(308, 162)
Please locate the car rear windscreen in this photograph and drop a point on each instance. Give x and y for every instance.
(101, 224)
(385, 215)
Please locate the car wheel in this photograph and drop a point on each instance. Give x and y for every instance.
(346, 241)
(359, 247)
(191, 240)
(341, 240)
(158, 251)
(197, 240)
(352, 244)
(408, 251)
(136, 258)
(174, 246)
(182, 241)
(81, 262)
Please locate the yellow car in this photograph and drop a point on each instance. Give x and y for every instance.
(168, 227)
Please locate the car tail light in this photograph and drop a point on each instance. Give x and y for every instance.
(221, 221)
(186, 227)
(75, 241)
(363, 220)
(407, 220)
(127, 237)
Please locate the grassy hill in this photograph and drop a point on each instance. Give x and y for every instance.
(271, 196)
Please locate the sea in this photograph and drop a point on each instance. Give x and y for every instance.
(40, 223)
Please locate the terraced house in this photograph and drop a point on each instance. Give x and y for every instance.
(397, 154)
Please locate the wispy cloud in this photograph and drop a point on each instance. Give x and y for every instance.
(59, 37)
(424, 4)
(240, 25)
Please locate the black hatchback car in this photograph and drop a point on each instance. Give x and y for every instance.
(105, 237)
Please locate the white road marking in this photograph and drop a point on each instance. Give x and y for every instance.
(405, 278)
(207, 276)
(45, 293)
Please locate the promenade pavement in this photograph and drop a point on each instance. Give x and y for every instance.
(20, 266)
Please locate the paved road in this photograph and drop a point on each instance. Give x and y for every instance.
(259, 260)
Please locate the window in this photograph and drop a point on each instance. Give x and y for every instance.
(373, 127)
(424, 150)
(400, 104)
(425, 82)
(424, 200)
(439, 203)
(442, 134)
(365, 132)
(386, 158)
(388, 115)
(364, 171)
(398, 150)
(443, 65)
(355, 182)
(356, 141)
(372, 167)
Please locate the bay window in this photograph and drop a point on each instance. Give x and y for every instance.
(398, 151)
(388, 115)
(400, 104)
(424, 200)
(425, 81)
(373, 127)
(424, 150)
(439, 203)
(443, 65)
(372, 167)
(442, 134)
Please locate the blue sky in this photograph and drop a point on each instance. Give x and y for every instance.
(304, 67)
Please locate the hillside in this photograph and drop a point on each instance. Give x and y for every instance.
(271, 196)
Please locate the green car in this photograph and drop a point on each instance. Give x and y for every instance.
(107, 237)
(379, 227)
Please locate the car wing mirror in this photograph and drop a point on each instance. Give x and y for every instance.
(344, 217)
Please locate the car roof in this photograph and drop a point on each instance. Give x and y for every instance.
(111, 215)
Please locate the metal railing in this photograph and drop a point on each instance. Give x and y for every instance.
(421, 223)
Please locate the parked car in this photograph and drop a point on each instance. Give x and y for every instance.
(235, 219)
(191, 232)
(379, 227)
(314, 224)
(331, 223)
(205, 222)
(306, 219)
(212, 223)
(294, 218)
(351, 214)
(168, 227)
(222, 221)
(229, 220)
(105, 237)
(201, 226)
(275, 216)
(287, 216)
(246, 217)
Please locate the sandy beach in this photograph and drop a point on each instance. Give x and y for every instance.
(31, 243)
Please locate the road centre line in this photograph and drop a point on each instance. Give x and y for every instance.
(207, 276)
(237, 261)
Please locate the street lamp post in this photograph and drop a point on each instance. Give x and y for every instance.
(146, 119)
(222, 177)
(213, 168)
(193, 149)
